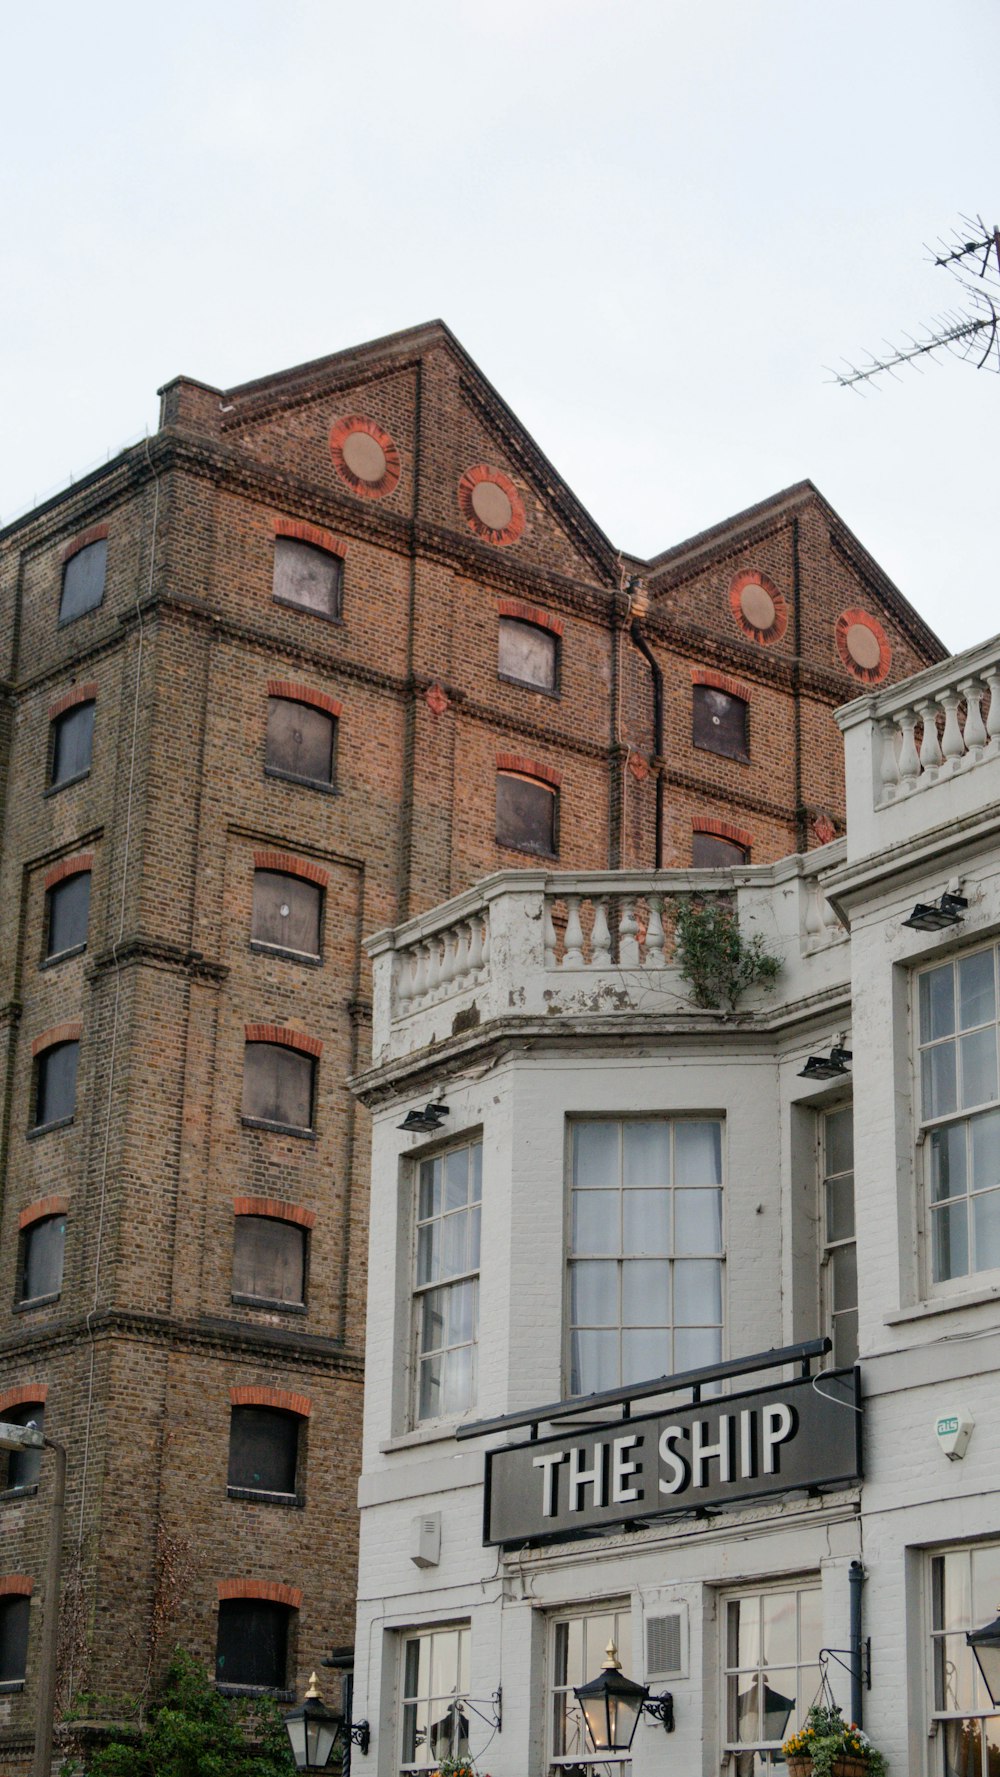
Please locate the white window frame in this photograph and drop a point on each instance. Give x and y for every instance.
(827, 1246)
(404, 1637)
(982, 1611)
(463, 1143)
(619, 1608)
(731, 1750)
(968, 1280)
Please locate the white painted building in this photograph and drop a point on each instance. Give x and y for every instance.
(660, 1188)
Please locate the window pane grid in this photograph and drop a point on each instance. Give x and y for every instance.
(646, 1249)
(965, 1587)
(446, 1289)
(579, 1649)
(840, 1270)
(958, 1048)
(435, 1686)
(771, 1674)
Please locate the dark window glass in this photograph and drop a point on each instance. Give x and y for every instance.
(263, 1449)
(286, 912)
(526, 814)
(720, 722)
(72, 743)
(277, 1085)
(83, 580)
(42, 1260)
(709, 851)
(299, 741)
(13, 1639)
(69, 908)
(24, 1466)
(55, 1090)
(528, 654)
(306, 576)
(252, 1644)
(269, 1259)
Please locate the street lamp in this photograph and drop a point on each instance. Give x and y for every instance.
(28, 1437)
(612, 1705)
(312, 1729)
(985, 1644)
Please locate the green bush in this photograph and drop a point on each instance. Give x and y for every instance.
(194, 1732)
(714, 958)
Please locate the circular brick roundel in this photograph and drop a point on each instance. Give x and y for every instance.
(863, 646)
(364, 456)
(758, 608)
(491, 505)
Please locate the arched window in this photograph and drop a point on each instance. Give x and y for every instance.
(307, 576)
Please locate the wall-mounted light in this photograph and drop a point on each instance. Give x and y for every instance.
(827, 1067)
(612, 1705)
(425, 1121)
(939, 915)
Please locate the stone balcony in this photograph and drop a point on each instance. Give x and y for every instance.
(924, 754)
(532, 944)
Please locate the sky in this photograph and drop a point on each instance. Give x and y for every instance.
(653, 224)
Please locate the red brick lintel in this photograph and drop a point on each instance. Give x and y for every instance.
(704, 675)
(59, 1033)
(269, 1589)
(320, 700)
(530, 614)
(528, 768)
(16, 1585)
(94, 534)
(75, 866)
(312, 534)
(276, 1209)
(30, 1394)
(271, 1397)
(37, 1212)
(279, 1033)
(286, 865)
(722, 830)
(79, 694)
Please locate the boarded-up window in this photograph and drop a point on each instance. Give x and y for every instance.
(299, 741)
(526, 814)
(43, 1245)
(72, 744)
(55, 1084)
(269, 1259)
(308, 577)
(720, 722)
(24, 1466)
(709, 851)
(14, 1619)
(69, 909)
(83, 581)
(263, 1449)
(278, 1086)
(286, 912)
(252, 1644)
(528, 654)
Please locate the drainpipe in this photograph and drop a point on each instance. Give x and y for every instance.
(856, 1579)
(638, 595)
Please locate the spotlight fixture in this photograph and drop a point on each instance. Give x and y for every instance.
(426, 1121)
(827, 1067)
(939, 915)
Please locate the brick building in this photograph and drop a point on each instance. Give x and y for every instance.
(323, 651)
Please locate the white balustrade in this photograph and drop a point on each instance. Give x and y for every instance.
(444, 963)
(954, 734)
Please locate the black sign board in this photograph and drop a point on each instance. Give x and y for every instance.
(805, 1433)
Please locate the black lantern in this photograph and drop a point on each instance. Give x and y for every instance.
(985, 1644)
(312, 1730)
(612, 1705)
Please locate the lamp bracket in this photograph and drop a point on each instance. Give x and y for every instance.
(850, 1659)
(360, 1735)
(661, 1708)
(495, 1702)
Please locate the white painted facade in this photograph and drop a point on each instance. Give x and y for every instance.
(513, 1014)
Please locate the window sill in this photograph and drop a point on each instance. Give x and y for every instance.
(254, 1690)
(308, 958)
(720, 753)
(309, 610)
(38, 1129)
(528, 851)
(307, 783)
(435, 1432)
(66, 783)
(61, 956)
(272, 1307)
(279, 1128)
(260, 1496)
(29, 1302)
(942, 1305)
(550, 691)
(9, 1685)
(11, 1495)
(64, 622)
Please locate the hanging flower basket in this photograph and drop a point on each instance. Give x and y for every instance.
(845, 1764)
(828, 1746)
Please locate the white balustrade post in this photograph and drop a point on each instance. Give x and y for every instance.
(909, 758)
(475, 946)
(551, 940)
(975, 731)
(600, 937)
(993, 719)
(573, 953)
(888, 763)
(654, 934)
(931, 756)
(952, 744)
(628, 935)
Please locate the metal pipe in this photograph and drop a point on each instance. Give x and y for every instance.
(654, 666)
(856, 1579)
(42, 1764)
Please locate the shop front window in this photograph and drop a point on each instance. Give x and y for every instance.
(435, 1690)
(578, 1651)
(771, 1673)
(965, 1591)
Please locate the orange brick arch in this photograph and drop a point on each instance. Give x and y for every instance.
(284, 1399)
(271, 1590)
